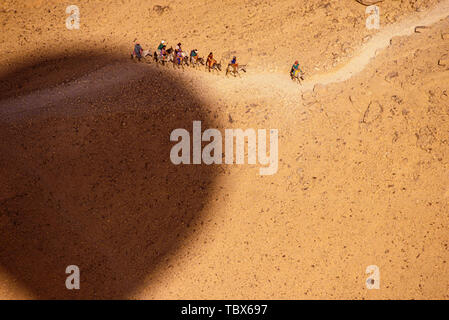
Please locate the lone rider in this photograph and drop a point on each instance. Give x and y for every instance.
(295, 69)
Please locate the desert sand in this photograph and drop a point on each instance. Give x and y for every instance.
(86, 178)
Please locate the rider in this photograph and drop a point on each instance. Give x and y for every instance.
(194, 55)
(210, 60)
(163, 52)
(179, 57)
(178, 48)
(295, 69)
(138, 51)
(234, 63)
(161, 45)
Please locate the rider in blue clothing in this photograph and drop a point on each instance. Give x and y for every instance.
(234, 63)
(179, 57)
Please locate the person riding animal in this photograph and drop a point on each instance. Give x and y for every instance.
(137, 51)
(178, 48)
(179, 57)
(234, 63)
(163, 51)
(295, 71)
(161, 45)
(210, 61)
(194, 56)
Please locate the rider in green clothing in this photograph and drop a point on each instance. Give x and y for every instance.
(161, 45)
(295, 69)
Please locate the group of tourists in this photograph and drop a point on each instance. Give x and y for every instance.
(180, 58)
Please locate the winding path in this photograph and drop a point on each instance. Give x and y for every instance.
(381, 40)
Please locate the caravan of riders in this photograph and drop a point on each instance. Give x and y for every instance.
(179, 58)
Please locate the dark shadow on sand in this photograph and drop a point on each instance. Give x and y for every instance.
(96, 188)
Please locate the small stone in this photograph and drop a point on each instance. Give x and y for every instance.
(366, 38)
(444, 61)
(391, 75)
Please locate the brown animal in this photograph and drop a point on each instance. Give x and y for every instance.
(196, 61)
(235, 69)
(299, 77)
(212, 64)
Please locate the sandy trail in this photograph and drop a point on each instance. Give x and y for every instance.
(381, 41)
(266, 82)
(96, 81)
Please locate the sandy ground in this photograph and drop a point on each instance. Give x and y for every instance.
(85, 176)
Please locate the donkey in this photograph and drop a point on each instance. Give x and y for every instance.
(213, 65)
(184, 60)
(194, 62)
(168, 57)
(299, 77)
(144, 54)
(235, 70)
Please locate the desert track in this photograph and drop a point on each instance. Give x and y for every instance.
(263, 82)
